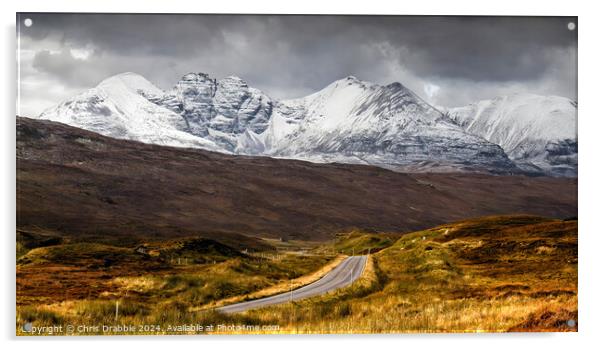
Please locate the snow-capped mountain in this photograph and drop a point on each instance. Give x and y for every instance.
(539, 133)
(349, 121)
(119, 107)
(389, 126)
(218, 110)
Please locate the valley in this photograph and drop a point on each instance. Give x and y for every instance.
(264, 173)
(495, 274)
(123, 233)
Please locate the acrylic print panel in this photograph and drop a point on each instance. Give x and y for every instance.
(270, 174)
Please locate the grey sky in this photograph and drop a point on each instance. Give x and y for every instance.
(449, 61)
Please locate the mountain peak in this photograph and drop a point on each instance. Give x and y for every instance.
(350, 81)
(395, 86)
(195, 77)
(233, 82)
(125, 77)
(349, 120)
(353, 80)
(131, 81)
(547, 140)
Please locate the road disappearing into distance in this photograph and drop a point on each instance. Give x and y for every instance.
(344, 274)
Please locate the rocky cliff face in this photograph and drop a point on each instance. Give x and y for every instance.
(218, 110)
(349, 121)
(355, 121)
(126, 106)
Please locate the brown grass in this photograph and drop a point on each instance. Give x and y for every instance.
(494, 274)
(280, 287)
(472, 276)
(82, 282)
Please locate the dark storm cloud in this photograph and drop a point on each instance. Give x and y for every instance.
(288, 55)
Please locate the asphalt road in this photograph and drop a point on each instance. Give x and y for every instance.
(342, 275)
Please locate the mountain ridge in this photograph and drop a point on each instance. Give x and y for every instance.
(77, 182)
(539, 133)
(349, 121)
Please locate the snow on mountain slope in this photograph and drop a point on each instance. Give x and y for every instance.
(357, 121)
(218, 110)
(349, 121)
(119, 107)
(539, 133)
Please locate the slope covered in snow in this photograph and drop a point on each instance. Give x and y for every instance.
(539, 133)
(360, 122)
(349, 121)
(218, 110)
(119, 107)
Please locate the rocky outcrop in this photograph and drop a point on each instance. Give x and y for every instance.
(349, 121)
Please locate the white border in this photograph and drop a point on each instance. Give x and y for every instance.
(590, 92)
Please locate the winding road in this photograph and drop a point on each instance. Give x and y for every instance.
(342, 275)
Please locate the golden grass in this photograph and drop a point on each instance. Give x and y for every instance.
(359, 242)
(280, 287)
(142, 284)
(477, 276)
(160, 296)
(494, 274)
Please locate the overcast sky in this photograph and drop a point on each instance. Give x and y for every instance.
(449, 61)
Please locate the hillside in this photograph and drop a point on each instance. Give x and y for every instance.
(494, 274)
(78, 183)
